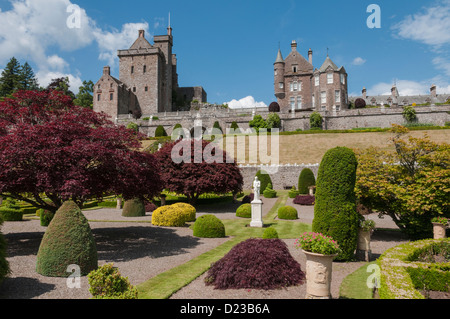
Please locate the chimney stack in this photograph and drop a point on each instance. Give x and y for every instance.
(433, 91)
(107, 70)
(310, 56)
(294, 45)
(364, 93)
(141, 33)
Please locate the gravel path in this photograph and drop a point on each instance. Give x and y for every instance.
(142, 251)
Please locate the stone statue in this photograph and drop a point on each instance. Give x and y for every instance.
(257, 188)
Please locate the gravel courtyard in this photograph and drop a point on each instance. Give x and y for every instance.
(142, 251)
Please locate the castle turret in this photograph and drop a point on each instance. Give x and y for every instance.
(279, 76)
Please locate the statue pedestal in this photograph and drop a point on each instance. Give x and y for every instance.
(256, 214)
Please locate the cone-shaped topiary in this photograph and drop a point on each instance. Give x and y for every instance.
(269, 192)
(67, 241)
(133, 208)
(244, 211)
(264, 178)
(335, 208)
(305, 180)
(160, 131)
(209, 226)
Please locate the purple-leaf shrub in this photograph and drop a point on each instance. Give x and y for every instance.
(305, 200)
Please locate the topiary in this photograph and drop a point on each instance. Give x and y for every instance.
(293, 192)
(133, 208)
(305, 180)
(274, 107)
(160, 131)
(107, 283)
(67, 241)
(287, 212)
(209, 226)
(188, 210)
(11, 211)
(335, 208)
(235, 128)
(4, 265)
(269, 192)
(360, 103)
(244, 211)
(256, 264)
(216, 126)
(45, 217)
(169, 216)
(270, 233)
(264, 178)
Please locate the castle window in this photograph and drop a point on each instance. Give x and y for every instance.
(99, 86)
(111, 96)
(299, 102)
(132, 69)
(281, 85)
(313, 101)
(99, 96)
(323, 97)
(294, 69)
(330, 78)
(342, 78)
(276, 72)
(292, 100)
(317, 80)
(145, 68)
(146, 89)
(134, 89)
(337, 96)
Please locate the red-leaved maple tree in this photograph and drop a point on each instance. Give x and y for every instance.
(195, 167)
(52, 151)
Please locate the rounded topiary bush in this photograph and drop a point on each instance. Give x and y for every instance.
(209, 226)
(169, 216)
(264, 178)
(360, 103)
(45, 217)
(270, 233)
(244, 211)
(188, 210)
(269, 192)
(4, 265)
(67, 241)
(293, 192)
(160, 131)
(335, 207)
(133, 208)
(256, 264)
(107, 283)
(287, 212)
(274, 107)
(305, 180)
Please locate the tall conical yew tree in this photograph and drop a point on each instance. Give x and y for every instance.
(335, 208)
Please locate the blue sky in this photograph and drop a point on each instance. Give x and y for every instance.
(229, 47)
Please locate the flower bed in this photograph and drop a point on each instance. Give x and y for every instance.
(401, 276)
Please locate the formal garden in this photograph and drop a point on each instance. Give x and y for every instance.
(87, 214)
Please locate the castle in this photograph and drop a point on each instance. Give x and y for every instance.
(148, 81)
(300, 86)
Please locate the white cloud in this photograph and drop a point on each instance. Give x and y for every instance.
(358, 61)
(110, 41)
(442, 64)
(430, 27)
(407, 87)
(246, 102)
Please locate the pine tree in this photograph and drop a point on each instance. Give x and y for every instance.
(27, 79)
(9, 80)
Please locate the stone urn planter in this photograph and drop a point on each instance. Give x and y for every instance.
(320, 251)
(363, 251)
(319, 271)
(439, 226)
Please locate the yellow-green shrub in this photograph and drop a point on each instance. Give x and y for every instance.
(188, 210)
(169, 216)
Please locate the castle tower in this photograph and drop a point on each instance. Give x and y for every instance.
(279, 77)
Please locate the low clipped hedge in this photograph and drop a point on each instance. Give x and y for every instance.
(45, 217)
(401, 276)
(4, 265)
(287, 212)
(11, 214)
(209, 226)
(244, 211)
